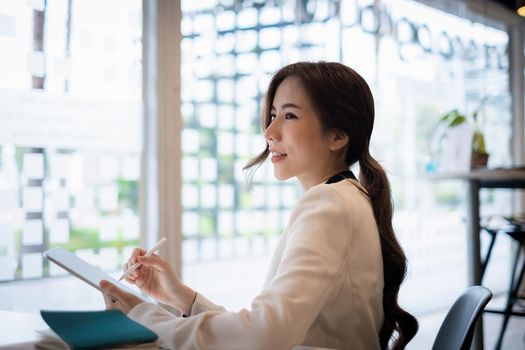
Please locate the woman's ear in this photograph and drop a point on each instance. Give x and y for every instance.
(338, 140)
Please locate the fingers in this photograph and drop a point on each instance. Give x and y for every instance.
(136, 253)
(109, 297)
(133, 258)
(110, 289)
(113, 292)
(109, 301)
(154, 261)
(125, 268)
(116, 298)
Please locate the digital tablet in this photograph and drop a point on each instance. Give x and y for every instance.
(85, 271)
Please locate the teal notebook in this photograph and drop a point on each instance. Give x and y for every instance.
(96, 329)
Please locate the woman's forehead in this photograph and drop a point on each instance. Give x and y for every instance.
(290, 89)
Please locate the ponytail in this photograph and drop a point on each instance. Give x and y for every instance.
(373, 178)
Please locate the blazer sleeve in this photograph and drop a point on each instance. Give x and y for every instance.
(319, 235)
(201, 304)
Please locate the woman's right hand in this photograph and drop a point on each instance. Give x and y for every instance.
(156, 278)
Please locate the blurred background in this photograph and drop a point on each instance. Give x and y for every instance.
(123, 120)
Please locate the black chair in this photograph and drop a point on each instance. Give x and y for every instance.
(457, 330)
(515, 229)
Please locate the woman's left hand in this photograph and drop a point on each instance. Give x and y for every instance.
(126, 301)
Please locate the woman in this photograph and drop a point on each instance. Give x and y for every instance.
(335, 276)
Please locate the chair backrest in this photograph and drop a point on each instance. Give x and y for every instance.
(457, 329)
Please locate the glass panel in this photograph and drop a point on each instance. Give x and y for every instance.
(70, 136)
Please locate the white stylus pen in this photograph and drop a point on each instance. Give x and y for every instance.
(137, 264)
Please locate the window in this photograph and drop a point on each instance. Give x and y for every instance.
(70, 136)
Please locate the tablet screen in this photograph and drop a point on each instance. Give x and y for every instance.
(84, 270)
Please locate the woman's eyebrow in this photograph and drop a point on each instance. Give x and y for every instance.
(287, 105)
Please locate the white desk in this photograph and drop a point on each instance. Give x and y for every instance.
(18, 330)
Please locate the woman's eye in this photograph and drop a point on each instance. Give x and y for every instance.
(289, 116)
(272, 117)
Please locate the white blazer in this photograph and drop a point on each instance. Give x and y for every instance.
(324, 287)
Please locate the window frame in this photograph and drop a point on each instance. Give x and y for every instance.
(161, 206)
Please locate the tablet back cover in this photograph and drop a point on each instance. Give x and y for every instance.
(83, 270)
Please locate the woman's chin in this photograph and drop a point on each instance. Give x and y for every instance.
(281, 176)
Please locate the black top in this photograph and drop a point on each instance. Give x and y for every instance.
(347, 174)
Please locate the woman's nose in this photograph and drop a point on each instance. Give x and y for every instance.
(271, 132)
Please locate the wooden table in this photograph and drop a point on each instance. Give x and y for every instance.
(510, 178)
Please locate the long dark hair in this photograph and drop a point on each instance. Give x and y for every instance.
(343, 101)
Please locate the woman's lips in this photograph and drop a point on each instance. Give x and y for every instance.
(277, 157)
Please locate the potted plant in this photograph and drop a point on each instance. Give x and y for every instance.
(479, 156)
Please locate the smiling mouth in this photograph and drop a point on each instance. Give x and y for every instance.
(276, 156)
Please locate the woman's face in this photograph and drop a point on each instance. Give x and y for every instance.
(298, 145)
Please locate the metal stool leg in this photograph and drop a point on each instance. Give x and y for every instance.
(493, 234)
(520, 277)
(513, 288)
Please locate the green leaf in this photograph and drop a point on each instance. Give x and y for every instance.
(450, 115)
(457, 121)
